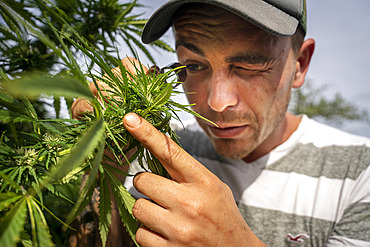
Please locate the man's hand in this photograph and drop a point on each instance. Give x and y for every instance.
(193, 209)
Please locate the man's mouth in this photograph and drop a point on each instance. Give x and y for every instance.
(227, 132)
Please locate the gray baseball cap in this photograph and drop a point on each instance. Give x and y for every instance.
(279, 17)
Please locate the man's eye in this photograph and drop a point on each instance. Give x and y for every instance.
(193, 67)
(246, 69)
(253, 70)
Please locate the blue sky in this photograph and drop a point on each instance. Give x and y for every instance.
(342, 57)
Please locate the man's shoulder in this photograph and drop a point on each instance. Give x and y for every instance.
(322, 150)
(321, 135)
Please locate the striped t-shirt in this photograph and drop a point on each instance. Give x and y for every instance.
(312, 190)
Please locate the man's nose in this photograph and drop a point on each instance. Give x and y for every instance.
(223, 92)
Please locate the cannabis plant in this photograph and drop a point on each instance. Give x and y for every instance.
(103, 23)
(55, 153)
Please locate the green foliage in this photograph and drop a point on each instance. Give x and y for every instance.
(147, 95)
(103, 23)
(42, 160)
(310, 100)
(65, 86)
(12, 223)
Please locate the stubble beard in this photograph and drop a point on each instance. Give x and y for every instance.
(232, 148)
(243, 147)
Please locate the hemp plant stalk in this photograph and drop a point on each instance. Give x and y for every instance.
(64, 150)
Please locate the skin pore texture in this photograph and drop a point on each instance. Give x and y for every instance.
(239, 77)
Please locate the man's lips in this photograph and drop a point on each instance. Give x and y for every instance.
(227, 132)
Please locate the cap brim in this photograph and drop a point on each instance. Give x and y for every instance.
(258, 12)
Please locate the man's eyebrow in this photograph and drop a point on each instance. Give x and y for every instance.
(190, 47)
(250, 58)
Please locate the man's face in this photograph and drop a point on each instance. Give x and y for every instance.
(238, 76)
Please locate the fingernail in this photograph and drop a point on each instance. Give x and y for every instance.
(132, 120)
(137, 174)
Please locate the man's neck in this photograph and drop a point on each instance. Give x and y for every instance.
(282, 133)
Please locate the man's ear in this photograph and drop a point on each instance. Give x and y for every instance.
(303, 61)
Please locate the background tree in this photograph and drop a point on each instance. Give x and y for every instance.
(312, 101)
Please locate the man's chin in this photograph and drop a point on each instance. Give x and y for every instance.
(230, 149)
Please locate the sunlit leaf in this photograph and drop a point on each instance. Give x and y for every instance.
(87, 190)
(12, 224)
(33, 86)
(6, 199)
(10, 180)
(84, 147)
(163, 98)
(42, 230)
(14, 117)
(105, 209)
(125, 203)
(54, 191)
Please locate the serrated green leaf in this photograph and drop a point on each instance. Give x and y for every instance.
(84, 147)
(32, 222)
(10, 180)
(105, 209)
(30, 109)
(26, 240)
(33, 86)
(164, 96)
(49, 127)
(10, 103)
(74, 174)
(161, 99)
(42, 229)
(54, 191)
(123, 13)
(88, 51)
(125, 203)
(163, 45)
(6, 199)
(87, 190)
(13, 117)
(12, 224)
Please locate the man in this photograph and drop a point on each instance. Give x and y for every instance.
(262, 176)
